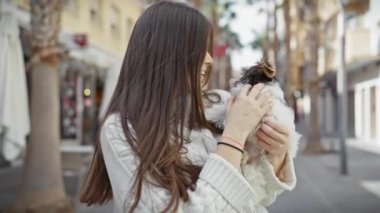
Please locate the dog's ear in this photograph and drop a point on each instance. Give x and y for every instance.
(261, 72)
(268, 70)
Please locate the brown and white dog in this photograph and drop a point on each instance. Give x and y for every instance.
(254, 156)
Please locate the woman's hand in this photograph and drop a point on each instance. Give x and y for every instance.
(243, 114)
(246, 111)
(274, 138)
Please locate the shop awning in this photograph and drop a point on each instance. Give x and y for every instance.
(14, 107)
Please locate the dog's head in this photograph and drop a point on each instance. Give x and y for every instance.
(261, 72)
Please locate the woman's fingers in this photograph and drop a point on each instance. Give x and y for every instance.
(265, 99)
(255, 93)
(245, 90)
(271, 145)
(277, 136)
(261, 135)
(246, 112)
(256, 90)
(264, 145)
(268, 108)
(276, 126)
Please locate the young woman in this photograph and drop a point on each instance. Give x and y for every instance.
(145, 159)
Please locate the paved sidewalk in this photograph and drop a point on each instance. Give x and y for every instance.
(10, 178)
(321, 188)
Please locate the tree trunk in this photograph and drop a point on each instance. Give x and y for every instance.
(215, 74)
(276, 42)
(314, 141)
(266, 44)
(288, 68)
(42, 186)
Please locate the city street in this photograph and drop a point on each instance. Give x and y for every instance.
(320, 187)
(67, 65)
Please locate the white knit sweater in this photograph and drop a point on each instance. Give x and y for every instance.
(220, 187)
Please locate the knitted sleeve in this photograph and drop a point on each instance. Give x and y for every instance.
(266, 184)
(220, 187)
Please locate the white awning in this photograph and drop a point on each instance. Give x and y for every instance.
(14, 107)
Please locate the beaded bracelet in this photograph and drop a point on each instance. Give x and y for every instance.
(230, 145)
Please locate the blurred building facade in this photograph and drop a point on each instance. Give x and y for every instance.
(221, 49)
(362, 48)
(362, 67)
(222, 70)
(94, 33)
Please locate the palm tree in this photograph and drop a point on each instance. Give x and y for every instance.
(313, 31)
(42, 187)
(288, 57)
(276, 42)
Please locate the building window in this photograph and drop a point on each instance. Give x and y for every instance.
(115, 21)
(95, 15)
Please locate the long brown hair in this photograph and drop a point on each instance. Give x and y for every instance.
(159, 93)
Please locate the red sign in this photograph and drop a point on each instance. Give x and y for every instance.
(219, 50)
(80, 40)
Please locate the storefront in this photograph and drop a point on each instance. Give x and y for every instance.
(367, 111)
(363, 102)
(363, 82)
(81, 94)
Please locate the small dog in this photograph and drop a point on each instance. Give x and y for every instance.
(255, 165)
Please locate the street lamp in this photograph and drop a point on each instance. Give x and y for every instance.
(342, 89)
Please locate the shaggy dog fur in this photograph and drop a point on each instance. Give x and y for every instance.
(255, 161)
